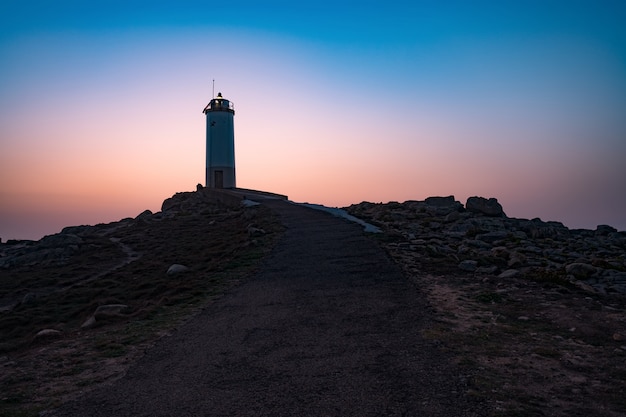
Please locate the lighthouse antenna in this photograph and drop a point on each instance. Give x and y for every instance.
(213, 91)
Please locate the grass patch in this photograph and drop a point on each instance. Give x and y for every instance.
(216, 247)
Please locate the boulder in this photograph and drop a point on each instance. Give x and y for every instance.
(468, 265)
(580, 270)
(501, 252)
(488, 207)
(509, 273)
(176, 269)
(516, 259)
(109, 310)
(452, 217)
(491, 237)
(144, 215)
(255, 231)
(492, 269)
(103, 312)
(47, 334)
(604, 230)
(90, 322)
(440, 201)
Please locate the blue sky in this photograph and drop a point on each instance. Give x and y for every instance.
(336, 102)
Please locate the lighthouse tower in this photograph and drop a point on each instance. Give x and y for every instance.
(220, 143)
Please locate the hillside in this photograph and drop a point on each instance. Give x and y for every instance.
(532, 311)
(535, 309)
(77, 307)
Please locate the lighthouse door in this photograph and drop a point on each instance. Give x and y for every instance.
(219, 179)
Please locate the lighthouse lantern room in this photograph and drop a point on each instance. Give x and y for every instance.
(220, 143)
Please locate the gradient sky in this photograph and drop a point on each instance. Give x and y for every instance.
(336, 102)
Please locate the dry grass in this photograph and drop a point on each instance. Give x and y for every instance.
(121, 263)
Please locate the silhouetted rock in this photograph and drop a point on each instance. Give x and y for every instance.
(488, 207)
(604, 230)
(440, 201)
(144, 215)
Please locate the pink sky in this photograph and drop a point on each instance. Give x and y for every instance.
(100, 123)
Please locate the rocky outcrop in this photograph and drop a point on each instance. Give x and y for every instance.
(202, 200)
(488, 207)
(59, 248)
(479, 239)
(52, 249)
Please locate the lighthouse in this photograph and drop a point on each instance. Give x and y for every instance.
(220, 143)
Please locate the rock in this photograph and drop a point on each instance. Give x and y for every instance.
(604, 230)
(436, 231)
(491, 237)
(51, 249)
(109, 310)
(580, 270)
(452, 217)
(250, 203)
(29, 298)
(538, 229)
(104, 312)
(468, 265)
(516, 260)
(199, 201)
(60, 240)
(488, 207)
(478, 244)
(501, 252)
(489, 270)
(47, 334)
(176, 269)
(585, 287)
(255, 231)
(440, 201)
(144, 215)
(199, 187)
(90, 322)
(509, 273)
(532, 249)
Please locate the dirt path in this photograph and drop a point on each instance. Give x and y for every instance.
(327, 327)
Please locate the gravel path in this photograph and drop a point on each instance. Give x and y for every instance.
(327, 327)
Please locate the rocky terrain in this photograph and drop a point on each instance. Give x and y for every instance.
(77, 308)
(480, 238)
(534, 310)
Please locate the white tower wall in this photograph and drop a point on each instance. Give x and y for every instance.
(220, 144)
